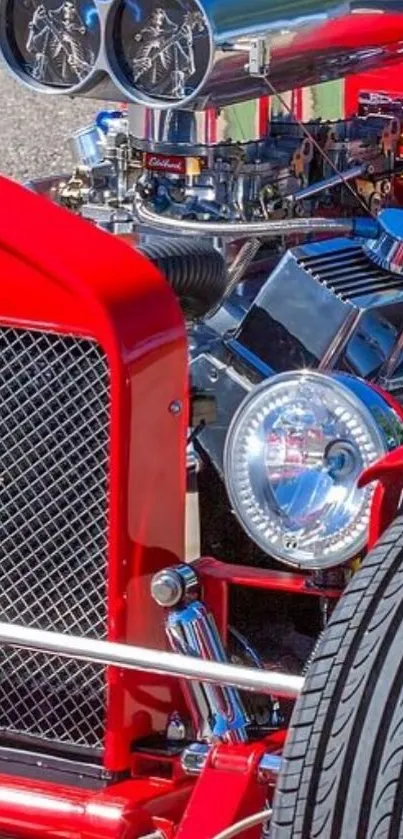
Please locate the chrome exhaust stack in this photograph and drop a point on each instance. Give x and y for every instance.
(193, 55)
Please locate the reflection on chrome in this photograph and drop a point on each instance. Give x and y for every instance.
(167, 47)
(294, 452)
(55, 39)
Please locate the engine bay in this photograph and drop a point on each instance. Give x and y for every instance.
(317, 296)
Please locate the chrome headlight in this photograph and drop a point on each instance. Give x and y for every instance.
(293, 454)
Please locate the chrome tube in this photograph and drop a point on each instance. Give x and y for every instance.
(241, 263)
(237, 269)
(205, 54)
(88, 146)
(328, 183)
(233, 46)
(367, 228)
(149, 661)
(195, 756)
(217, 710)
(191, 132)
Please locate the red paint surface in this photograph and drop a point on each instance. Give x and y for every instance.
(389, 81)
(297, 105)
(388, 472)
(225, 792)
(261, 578)
(35, 810)
(61, 274)
(264, 115)
(211, 125)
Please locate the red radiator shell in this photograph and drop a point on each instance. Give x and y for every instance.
(61, 274)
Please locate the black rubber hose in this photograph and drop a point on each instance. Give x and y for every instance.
(195, 271)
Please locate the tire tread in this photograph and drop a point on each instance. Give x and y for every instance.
(356, 651)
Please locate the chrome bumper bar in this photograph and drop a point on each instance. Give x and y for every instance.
(152, 661)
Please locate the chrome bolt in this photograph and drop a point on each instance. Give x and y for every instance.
(166, 588)
(268, 768)
(194, 758)
(172, 585)
(175, 407)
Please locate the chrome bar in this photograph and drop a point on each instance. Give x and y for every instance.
(328, 183)
(151, 661)
(194, 759)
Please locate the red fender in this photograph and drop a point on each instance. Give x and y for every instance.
(388, 471)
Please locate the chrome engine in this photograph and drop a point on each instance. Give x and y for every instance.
(293, 171)
(342, 310)
(199, 140)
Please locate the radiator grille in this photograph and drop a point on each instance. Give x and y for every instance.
(54, 403)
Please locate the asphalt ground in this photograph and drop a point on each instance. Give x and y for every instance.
(34, 129)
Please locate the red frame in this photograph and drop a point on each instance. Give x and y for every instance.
(387, 472)
(217, 577)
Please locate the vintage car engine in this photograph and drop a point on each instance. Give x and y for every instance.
(198, 140)
(323, 304)
(342, 312)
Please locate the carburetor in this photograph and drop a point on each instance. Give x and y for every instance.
(286, 173)
(190, 70)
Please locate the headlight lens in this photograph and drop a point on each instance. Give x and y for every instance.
(293, 453)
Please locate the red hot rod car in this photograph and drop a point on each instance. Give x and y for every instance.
(201, 391)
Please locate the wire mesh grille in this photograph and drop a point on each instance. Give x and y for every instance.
(54, 408)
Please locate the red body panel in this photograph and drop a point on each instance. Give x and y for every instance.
(390, 81)
(35, 810)
(61, 274)
(388, 475)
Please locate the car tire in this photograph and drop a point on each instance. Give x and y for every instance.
(342, 769)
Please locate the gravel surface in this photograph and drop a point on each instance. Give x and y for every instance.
(35, 127)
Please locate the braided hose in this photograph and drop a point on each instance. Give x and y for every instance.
(365, 227)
